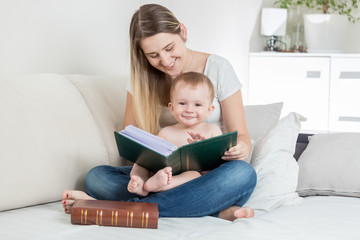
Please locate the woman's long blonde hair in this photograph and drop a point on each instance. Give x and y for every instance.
(150, 86)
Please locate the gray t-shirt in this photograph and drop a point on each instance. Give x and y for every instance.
(226, 83)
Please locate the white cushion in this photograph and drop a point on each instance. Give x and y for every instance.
(105, 97)
(261, 118)
(276, 168)
(330, 165)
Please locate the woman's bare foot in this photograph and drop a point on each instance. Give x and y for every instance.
(235, 212)
(162, 178)
(69, 197)
(136, 185)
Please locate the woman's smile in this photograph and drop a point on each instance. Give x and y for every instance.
(171, 66)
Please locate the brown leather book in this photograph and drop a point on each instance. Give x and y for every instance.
(115, 213)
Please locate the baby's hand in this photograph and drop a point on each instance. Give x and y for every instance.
(195, 137)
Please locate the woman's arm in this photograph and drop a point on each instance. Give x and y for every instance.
(129, 118)
(234, 119)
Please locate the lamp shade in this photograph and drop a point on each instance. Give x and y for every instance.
(273, 21)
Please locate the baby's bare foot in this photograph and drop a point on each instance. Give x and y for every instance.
(162, 178)
(235, 212)
(136, 186)
(69, 197)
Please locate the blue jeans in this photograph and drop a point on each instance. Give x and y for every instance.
(230, 184)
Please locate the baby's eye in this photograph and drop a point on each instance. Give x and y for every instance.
(198, 105)
(181, 103)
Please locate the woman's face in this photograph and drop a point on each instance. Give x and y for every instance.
(166, 52)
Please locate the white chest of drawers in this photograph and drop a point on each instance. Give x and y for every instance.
(325, 88)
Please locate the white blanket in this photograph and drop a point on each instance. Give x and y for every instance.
(317, 218)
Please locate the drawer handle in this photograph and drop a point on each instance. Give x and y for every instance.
(349, 119)
(313, 74)
(349, 75)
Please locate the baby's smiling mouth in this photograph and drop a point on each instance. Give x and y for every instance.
(188, 117)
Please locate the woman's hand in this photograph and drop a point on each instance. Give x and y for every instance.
(195, 137)
(234, 120)
(239, 152)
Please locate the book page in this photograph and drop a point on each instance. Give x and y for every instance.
(149, 140)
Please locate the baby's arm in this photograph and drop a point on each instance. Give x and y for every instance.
(140, 171)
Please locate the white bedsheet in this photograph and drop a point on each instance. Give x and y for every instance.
(317, 218)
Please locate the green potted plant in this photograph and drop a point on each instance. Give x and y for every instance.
(326, 22)
(341, 7)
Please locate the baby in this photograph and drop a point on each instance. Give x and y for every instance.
(191, 97)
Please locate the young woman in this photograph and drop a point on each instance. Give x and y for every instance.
(158, 54)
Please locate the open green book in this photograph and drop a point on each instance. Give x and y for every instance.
(154, 153)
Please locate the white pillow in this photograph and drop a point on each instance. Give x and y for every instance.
(261, 118)
(276, 168)
(330, 165)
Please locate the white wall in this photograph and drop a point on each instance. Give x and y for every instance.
(91, 36)
(64, 36)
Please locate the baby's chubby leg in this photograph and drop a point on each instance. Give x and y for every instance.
(138, 176)
(163, 180)
(159, 180)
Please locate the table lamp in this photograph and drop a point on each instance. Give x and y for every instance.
(273, 25)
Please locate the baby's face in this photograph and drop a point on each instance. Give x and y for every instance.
(191, 106)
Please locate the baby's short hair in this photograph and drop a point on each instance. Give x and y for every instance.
(193, 79)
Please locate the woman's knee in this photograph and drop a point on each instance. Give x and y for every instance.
(94, 173)
(92, 178)
(103, 172)
(108, 182)
(241, 172)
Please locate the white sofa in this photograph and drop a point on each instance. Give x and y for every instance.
(54, 128)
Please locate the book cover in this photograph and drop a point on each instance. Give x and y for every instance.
(199, 156)
(115, 213)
